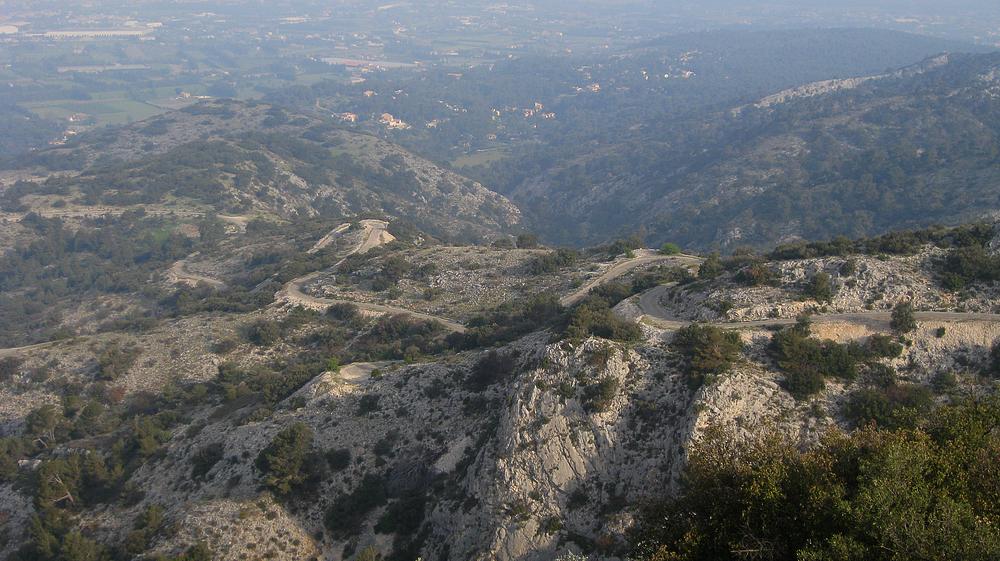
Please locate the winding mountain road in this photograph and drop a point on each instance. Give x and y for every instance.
(179, 274)
(374, 236)
(328, 239)
(643, 257)
(649, 303)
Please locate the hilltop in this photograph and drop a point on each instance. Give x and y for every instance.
(253, 159)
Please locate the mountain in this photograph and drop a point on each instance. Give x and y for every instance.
(548, 108)
(254, 159)
(540, 432)
(853, 157)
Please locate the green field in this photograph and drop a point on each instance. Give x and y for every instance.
(104, 112)
(481, 158)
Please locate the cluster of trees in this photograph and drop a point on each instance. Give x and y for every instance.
(66, 485)
(927, 491)
(290, 464)
(267, 384)
(807, 361)
(902, 242)
(889, 405)
(403, 517)
(115, 360)
(399, 338)
(510, 321)
(708, 351)
(594, 318)
(591, 317)
(968, 264)
(112, 255)
(553, 261)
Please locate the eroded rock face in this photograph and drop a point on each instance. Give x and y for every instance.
(861, 284)
(555, 455)
(560, 456)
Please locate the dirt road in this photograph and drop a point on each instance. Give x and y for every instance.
(643, 257)
(655, 313)
(328, 239)
(179, 274)
(374, 236)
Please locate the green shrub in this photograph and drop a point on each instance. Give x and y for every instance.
(807, 361)
(711, 268)
(205, 458)
(707, 349)
(820, 288)
(343, 311)
(225, 345)
(264, 333)
(527, 241)
(881, 375)
(598, 397)
(803, 383)
(903, 319)
(147, 526)
(594, 317)
(670, 249)
(114, 361)
(550, 525)
(552, 262)
(966, 265)
(884, 346)
(849, 267)
(943, 382)
(891, 407)
(288, 463)
(874, 495)
(492, 368)
(510, 321)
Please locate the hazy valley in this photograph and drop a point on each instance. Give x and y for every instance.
(499, 282)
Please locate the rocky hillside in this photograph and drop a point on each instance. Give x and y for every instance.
(252, 159)
(276, 432)
(532, 450)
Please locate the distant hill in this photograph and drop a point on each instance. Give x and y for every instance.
(248, 158)
(591, 100)
(907, 149)
(591, 147)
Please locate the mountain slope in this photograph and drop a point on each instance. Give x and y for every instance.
(903, 150)
(242, 158)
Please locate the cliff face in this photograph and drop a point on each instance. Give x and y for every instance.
(585, 432)
(550, 448)
(555, 457)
